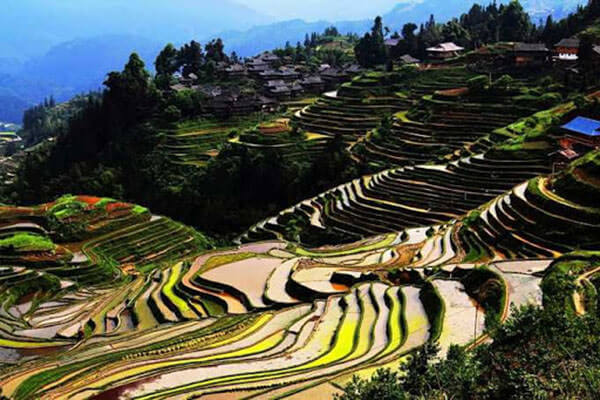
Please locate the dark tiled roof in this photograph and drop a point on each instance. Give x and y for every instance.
(280, 89)
(531, 47)
(572, 43)
(236, 68)
(408, 59)
(276, 83)
(314, 80)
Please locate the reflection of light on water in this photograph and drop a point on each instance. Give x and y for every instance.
(339, 287)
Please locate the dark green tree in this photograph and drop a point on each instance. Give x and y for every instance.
(515, 24)
(166, 65)
(370, 50)
(166, 61)
(215, 51)
(191, 58)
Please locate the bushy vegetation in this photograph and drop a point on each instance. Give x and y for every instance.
(25, 242)
(539, 353)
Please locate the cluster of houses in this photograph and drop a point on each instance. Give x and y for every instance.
(565, 53)
(278, 80)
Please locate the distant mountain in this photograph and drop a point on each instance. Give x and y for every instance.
(11, 107)
(261, 38)
(558, 8)
(269, 36)
(419, 11)
(82, 64)
(31, 27)
(67, 70)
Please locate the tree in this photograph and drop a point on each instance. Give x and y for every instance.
(215, 51)
(166, 64)
(370, 50)
(384, 385)
(130, 96)
(166, 61)
(410, 39)
(191, 58)
(586, 57)
(549, 32)
(453, 31)
(515, 24)
(331, 31)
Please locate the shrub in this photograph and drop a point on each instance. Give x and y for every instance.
(26, 242)
(172, 114)
(478, 83)
(550, 99)
(504, 83)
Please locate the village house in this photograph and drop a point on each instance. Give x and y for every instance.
(231, 104)
(353, 69)
(324, 67)
(257, 65)
(313, 84)
(562, 158)
(334, 77)
(267, 104)
(269, 58)
(210, 91)
(221, 67)
(188, 80)
(407, 59)
(567, 49)
(179, 87)
(391, 43)
(444, 51)
(581, 134)
(286, 74)
(278, 89)
(236, 71)
(281, 93)
(530, 54)
(297, 89)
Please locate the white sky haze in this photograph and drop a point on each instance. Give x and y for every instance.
(332, 10)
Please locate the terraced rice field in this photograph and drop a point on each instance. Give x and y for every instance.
(103, 300)
(444, 128)
(286, 316)
(359, 106)
(272, 319)
(401, 198)
(304, 148)
(490, 155)
(196, 142)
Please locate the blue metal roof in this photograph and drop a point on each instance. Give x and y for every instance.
(584, 126)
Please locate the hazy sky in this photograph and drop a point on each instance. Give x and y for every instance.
(333, 10)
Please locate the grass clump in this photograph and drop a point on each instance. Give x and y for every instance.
(25, 243)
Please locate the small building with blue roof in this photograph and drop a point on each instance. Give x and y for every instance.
(583, 131)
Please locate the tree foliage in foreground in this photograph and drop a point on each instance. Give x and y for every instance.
(539, 353)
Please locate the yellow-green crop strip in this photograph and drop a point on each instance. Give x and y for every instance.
(385, 242)
(181, 304)
(341, 349)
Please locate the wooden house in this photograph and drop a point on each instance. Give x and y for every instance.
(444, 51)
(567, 49)
(581, 133)
(530, 54)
